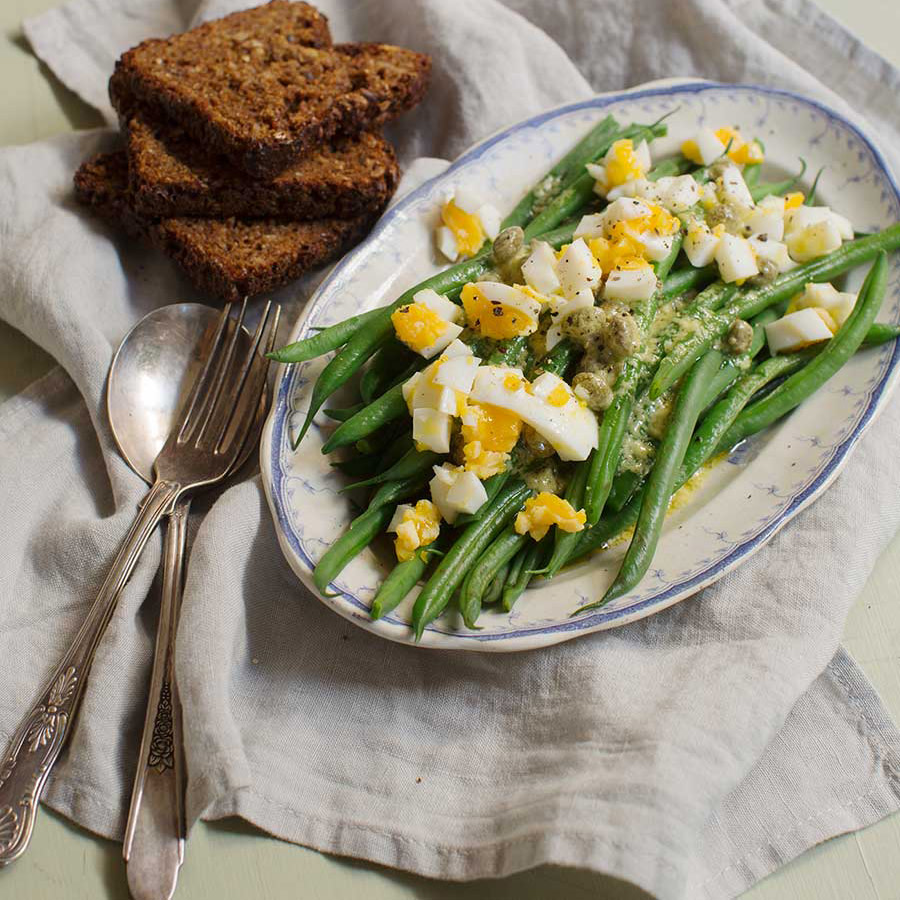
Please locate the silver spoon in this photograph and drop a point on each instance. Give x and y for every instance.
(155, 363)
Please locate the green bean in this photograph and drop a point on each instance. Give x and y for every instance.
(604, 461)
(413, 462)
(401, 445)
(363, 530)
(749, 303)
(357, 467)
(811, 196)
(556, 360)
(572, 198)
(837, 352)
(485, 571)
(379, 440)
(666, 168)
(528, 559)
(389, 406)
(341, 415)
(387, 365)
(663, 475)
(324, 341)
(508, 352)
(757, 192)
(565, 541)
(751, 174)
(592, 145)
(404, 577)
(683, 280)
(623, 487)
(495, 588)
(451, 570)
(881, 333)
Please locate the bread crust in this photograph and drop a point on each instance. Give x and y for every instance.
(170, 175)
(226, 259)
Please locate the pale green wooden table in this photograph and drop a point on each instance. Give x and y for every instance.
(231, 859)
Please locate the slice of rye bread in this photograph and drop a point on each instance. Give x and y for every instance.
(171, 175)
(226, 259)
(256, 87)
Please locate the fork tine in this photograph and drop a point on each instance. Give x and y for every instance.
(198, 389)
(252, 382)
(222, 373)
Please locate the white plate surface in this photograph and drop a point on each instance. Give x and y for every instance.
(740, 504)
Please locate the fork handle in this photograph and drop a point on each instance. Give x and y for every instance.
(37, 743)
(154, 836)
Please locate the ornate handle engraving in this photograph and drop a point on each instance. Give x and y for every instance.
(37, 743)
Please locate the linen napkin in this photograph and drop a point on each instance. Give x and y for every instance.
(690, 753)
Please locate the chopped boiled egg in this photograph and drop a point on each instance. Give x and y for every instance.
(700, 244)
(415, 526)
(730, 186)
(428, 324)
(539, 270)
(423, 390)
(583, 299)
(704, 148)
(467, 220)
(455, 491)
(499, 311)
(709, 145)
(735, 258)
(764, 220)
(675, 193)
(548, 405)
(623, 162)
(798, 329)
(545, 510)
(837, 304)
(632, 279)
(774, 251)
(813, 241)
(431, 430)
(577, 269)
(489, 434)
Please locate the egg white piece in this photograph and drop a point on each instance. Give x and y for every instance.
(676, 193)
(468, 201)
(401, 510)
(700, 244)
(735, 259)
(730, 185)
(469, 497)
(590, 226)
(446, 243)
(762, 220)
(624, 210)
(796, 330)
(490, 220)
(630, 285)
(539, 270)
(431, 429)
(709, 146)
(457, 373)
(813, 241)
(838, 304)
(774, 251)
(438, 303)
(577, 269)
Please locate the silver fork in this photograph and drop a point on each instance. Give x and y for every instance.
(201, 450)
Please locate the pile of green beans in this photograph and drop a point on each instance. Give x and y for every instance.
(719, 399)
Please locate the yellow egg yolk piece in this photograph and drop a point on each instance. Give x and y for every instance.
(417, 325)
(793, 200)
(622, 163)
(559, 396)
(608, 253)
(420, 525)
(494, 428)
(545, 510)
(494, 319)
(483, 463)
(690, 150)
(466, 228)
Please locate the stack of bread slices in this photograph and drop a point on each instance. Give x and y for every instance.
(252, 151)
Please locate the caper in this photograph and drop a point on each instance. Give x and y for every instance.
(536, 445)
(739, 337)
(507, 244)
(594, 389)
(584, 325)
(622, 337)
(768, 272)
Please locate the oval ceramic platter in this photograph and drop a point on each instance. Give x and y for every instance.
(741, 502)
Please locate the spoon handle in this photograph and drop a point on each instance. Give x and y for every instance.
(154, 836)
(36, 745)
